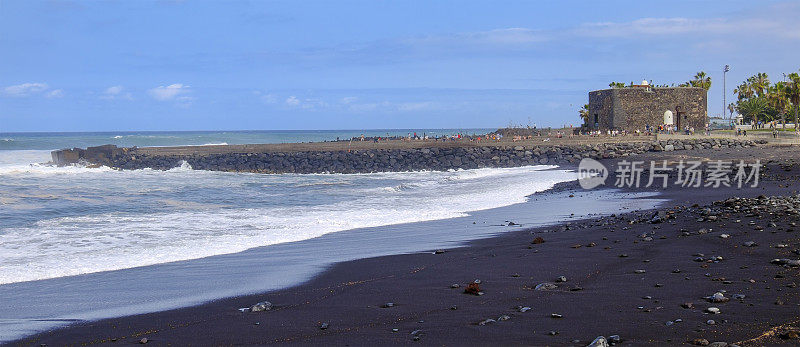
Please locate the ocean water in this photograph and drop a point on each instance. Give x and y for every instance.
(137, 241)
(49, 141)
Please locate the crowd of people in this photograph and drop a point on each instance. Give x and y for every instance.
(528, 134)
(425, 137)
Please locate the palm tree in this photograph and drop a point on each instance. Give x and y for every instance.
(760, 82)
(701, 80)
(584, 112)
(753, 108)
(793, 91)
(744, 90)
(778, 99)
(616, 85)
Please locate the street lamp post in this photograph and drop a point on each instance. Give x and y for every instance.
(725, 90)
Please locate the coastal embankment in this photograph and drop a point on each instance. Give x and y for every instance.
(394, 156)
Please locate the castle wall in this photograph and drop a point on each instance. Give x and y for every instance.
(633, 108)
(601, 108)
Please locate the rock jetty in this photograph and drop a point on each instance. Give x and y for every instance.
(378, 159)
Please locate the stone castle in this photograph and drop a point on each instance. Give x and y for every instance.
(635, 107)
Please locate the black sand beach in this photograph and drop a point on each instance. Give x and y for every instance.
(646, 281)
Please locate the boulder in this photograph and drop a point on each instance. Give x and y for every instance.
(600, 341)
(261, 306)
(546, 286)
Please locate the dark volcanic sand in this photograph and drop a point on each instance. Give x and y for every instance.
(613, 300)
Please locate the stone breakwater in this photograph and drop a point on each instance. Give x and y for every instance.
(380, 160)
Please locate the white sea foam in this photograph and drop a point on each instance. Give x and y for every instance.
(35, 163)
(282, 208)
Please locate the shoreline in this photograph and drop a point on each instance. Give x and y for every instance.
(406, 280)
(379, 241)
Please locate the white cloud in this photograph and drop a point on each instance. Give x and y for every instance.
(504, 37)
(25, 89)
(305, 103)
(184, 101)
(366, 107)
(511, 36)
(414, 106)
(292, 101)
(170, 92)
(779, 20)
(349, 99)
(269, 98)
(57, 93)
(116, 92)
(776, 22)
(654, 27)
(265, 97)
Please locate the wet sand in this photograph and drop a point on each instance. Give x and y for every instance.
(606, 292)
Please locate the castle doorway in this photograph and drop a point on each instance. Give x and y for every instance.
(679, 117)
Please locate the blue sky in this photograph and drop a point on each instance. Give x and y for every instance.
(228, 65)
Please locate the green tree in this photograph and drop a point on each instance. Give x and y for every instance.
(793, 92)
(616, 85)
(753, 109)
(701, 80)
(584, 113)
(778, 99)
(760, 82)
(744, 91)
